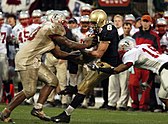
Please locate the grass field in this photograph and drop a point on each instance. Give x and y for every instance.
(21, 115)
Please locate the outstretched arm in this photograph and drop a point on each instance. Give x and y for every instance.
(62, 40)
(115, 70)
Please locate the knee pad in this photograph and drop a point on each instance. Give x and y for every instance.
(52, 81)
(29, 92)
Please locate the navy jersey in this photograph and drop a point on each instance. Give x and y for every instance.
(109, 33)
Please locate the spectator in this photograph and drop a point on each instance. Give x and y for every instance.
(118, 84)
(131, 19)
(118, 22)
(145, 36)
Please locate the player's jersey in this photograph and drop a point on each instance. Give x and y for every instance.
(109, 33)
(79, 36)
(34, 26)
(21, 34)
(5, 31)
(164, 40)
(146, 57)
(39, 43)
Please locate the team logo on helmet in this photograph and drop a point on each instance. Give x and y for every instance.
(126, 44)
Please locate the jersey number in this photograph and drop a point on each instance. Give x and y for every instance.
(33, 34)
(22, 38)
(3, 35)
(154, 52)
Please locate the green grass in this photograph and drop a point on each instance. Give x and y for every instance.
(21, 115)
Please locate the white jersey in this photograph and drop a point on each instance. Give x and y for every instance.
(21, 34)
(164, 40)
(5, 31)
(38, 43)
(34, 26)
(146, 57)
(79, 36)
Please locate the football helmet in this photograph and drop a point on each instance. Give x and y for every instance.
(24, 15)
(126, 44)
(36, 13)
(165, 14)
(84, 18)
(1, 16)
(24, 18)
(56, 17)
(161, 21)
(86, 7)
(99, 17)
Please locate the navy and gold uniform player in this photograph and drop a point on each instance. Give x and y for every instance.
(106, 51)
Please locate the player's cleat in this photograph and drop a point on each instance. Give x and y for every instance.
(61, 118)
(40, 114)
(6, 119)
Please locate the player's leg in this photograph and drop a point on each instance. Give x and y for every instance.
(50, 80)
(163, 91)
(92, 78)
(29, 78)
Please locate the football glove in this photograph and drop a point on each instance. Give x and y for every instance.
(108, 70)
(103, 67)
(69, 90)
(145, 85)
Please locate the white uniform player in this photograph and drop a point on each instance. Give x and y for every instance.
(28, 63)
(5, 32)
(146, 57)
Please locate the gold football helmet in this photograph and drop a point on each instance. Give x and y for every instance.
(99, 17)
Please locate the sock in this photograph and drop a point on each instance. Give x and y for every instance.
(38, 106)
(78, 99)
(69, 110)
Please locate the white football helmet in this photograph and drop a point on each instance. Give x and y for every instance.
(56, 17)
(24, 15)
(1, 16)
(161, 21)
(84, 18)
(126, 44)
(36, 13)
(86, 7)
(165, 14)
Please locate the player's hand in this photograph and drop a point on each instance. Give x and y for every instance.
(90, 41)
(145, 85)
(108, 70)
(69, 90)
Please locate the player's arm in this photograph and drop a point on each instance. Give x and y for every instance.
(115, 70)
(98, 53)
(62, 40)
(58, 53)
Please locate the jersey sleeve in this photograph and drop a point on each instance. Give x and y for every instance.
(131, 56)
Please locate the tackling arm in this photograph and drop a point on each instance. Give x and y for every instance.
(62, 40)
(58, 53)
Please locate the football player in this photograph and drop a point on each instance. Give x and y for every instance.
(143, 56)
(5, 32)
(28, 63)
(106, 51)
